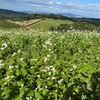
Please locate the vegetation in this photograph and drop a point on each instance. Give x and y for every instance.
(94, 21)
(19, 16)
(63, 64)
(47, 23)
(8, 25)
(9, 14)
(78, 25)
(39, 16)
(49, 65)
(52, 21)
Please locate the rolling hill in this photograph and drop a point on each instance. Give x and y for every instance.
(10, 14)
(47, 23)
(5, 11)
(48, 20)
(8, 25)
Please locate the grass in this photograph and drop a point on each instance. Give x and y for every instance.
(47, 23)
(8, 25)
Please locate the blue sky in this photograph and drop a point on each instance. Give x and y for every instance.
(86, 8)
(81, 1)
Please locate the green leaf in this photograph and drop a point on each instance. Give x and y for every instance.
(6, 92)
(22, 91)
(69, 84)
(24, 71)
(19, 83)
(63, 88)
(38, 95)
(31, 93)
(32, 62)
(18, 98)
(40, 82)
(18, 72)
(0, 43)
(11, 62)
(76, 90)
(23, 64)
(50, 82)
(89, 86)
(54, 94)
(44, 91)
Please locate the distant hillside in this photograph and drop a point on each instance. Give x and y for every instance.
(63, 14)
(10, 14)
(5, 11)
(22, 16)
(70, 15)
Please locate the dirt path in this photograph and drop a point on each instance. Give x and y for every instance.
(27, 23)
(30, 22)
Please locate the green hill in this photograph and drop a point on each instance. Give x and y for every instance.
(7, 25)
(47, 23)
(10, 14)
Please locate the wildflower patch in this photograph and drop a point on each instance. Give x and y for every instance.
(49, 65)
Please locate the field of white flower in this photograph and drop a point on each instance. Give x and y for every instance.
(49, 65)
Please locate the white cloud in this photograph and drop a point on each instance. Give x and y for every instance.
(68, 7)
(54, 6)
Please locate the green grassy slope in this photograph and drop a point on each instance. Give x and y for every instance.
(6, 24)
(47, 23)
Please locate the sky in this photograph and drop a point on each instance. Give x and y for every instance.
(85, 8)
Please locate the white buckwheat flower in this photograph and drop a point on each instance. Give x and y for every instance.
(14, 54)
(48, 42)
(27, 98)
(4, 46)
(53, 78)
(48, 56)
(74, 66)
(61, 80)
(1, 64)
(10, 67)
(45, 59)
